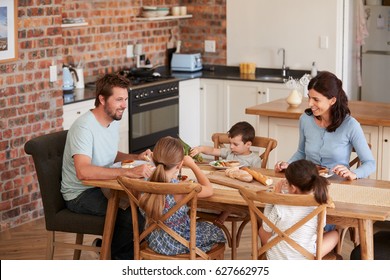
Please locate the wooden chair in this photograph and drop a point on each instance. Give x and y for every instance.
(265, 197)
(352, 230)
(134, 187)
(47, 152)
(233, 237)
(268, 144)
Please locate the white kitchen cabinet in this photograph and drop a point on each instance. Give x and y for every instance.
(74, 110)
(189, 111)
(223, 103)
(212, 109)
(385, 163)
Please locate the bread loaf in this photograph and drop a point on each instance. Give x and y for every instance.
(127, 163)
(238, 174)
(266, 181)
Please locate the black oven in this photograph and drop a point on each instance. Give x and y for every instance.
(153, 114)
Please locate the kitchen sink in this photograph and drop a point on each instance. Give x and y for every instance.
(269, 78)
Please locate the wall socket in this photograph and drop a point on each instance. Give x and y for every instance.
(129, 51)
(209, 46)
(53, 73)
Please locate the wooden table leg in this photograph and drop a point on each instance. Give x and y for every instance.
(109, 224)
(366, 236)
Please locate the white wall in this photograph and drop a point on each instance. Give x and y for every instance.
(256, 29)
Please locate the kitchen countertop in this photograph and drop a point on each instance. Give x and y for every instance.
(208, 72)
(366, 113)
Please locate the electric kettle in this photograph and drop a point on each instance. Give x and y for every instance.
(68, 83)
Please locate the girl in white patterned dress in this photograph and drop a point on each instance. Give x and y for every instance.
(302, 177)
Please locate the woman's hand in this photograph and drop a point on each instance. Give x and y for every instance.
(344, 172)
(281, 166)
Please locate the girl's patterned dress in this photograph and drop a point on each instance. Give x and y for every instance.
(161, 242)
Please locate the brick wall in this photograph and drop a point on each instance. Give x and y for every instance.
(30, 105)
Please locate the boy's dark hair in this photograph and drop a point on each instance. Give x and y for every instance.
(105, 84)
(244, 129)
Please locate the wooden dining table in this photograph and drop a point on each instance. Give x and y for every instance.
(227, 197)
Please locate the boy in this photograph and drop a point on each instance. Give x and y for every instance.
(241, 136)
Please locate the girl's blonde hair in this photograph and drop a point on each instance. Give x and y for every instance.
(167, 153)
(304, 175)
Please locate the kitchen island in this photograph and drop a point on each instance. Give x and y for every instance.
(276, 119)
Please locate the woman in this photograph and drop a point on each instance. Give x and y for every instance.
(327, 131)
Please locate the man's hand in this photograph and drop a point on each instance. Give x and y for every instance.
(141, 171)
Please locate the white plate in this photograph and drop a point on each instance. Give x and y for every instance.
(222, 167)
(135, 163)
(327, 175)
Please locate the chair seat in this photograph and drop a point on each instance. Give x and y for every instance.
(68, 221)
(215, 253)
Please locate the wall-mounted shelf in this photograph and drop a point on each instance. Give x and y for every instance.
(162, 18)
(69, 25)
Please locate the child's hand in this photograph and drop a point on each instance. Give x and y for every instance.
(194, 151)
(188, 161)
(281, 186)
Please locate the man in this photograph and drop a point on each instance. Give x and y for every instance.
(91, 148)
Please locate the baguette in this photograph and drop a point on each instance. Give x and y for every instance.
(238, 174)
(266, 181)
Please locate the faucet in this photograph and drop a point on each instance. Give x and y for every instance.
(284, 68)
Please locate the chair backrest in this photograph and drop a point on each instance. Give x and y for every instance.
(356, 160)
(265, 197)
(135, 187)
(268, 144)
(47, 152)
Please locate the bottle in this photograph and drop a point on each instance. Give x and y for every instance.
(313, 70)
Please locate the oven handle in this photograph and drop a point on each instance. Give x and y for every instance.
(158, 101)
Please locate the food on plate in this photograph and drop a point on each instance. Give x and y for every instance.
(322, 170)
(236, 173)
(224, 163)
(187, 149)
(265, 180)
(127, 163)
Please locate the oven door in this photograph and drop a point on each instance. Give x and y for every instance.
(151, 120)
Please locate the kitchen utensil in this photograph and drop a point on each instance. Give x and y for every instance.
(80, 75)
(68, 82)
(186, 62)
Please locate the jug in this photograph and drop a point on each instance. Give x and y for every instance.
(68, 83)
(295, 98)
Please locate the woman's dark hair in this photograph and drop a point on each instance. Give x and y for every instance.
(244, 129)
(106, 83)
(304, 175)
(330, 86)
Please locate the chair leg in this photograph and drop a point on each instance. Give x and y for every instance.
(234, 240)
(79, 240)
(50, 245)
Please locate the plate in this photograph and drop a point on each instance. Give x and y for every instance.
(135, 163)
(326, 175)
(222, 167)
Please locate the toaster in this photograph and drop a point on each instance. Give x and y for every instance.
(188, 62)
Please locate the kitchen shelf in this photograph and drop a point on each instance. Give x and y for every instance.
(69, 25)
(162, 18)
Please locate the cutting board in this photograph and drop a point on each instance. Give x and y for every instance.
(219, 177)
